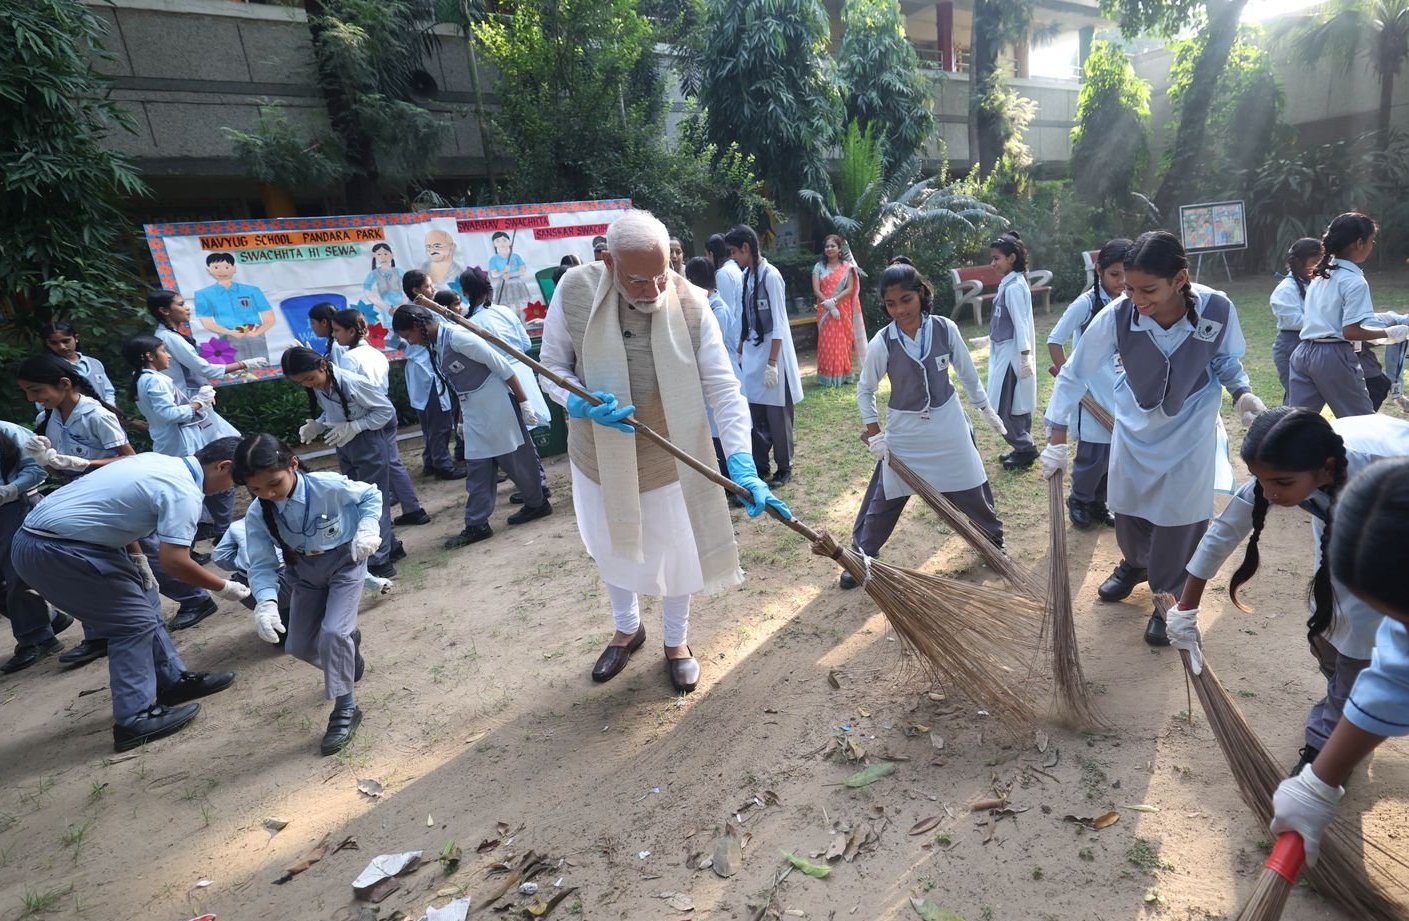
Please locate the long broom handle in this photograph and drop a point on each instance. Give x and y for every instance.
(1097, 411)
(647, 432)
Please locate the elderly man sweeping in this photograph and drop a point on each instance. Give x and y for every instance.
(643, 341)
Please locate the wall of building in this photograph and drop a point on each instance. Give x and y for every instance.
(1049, 135)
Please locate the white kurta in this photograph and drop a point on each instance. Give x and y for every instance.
(1015, 298)
(490, 426)
(670, 563)
(938, 444)
(1101, 385)
(754, 357)
(504, 323)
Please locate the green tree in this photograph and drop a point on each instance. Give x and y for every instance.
(1374, 32)
(63, 236)
(995, 23)
(884, 84)
(769, 86)
(1110, 143)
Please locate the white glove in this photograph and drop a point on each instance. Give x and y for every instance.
(878, 447)
(1397, 333)
(1181, 625)
(266, 621)
(67, 462)
(144, 570)
(310, 430)
(1250, 407)
(1054, 460)
(1306, 805)
(364, 544)
(1403, 402)
(1397, 390)
(233, 591)
(770, 377)
(252, 364)
(993, 420)
(382, 586)
(39, 449)
(342, 433)
(1028, 368)
(9, 493)
(530, 418)
(205, 396)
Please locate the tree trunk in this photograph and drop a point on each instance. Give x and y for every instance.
(362, 189)
(985, 122)
(1188, 149)
(1386, 104)
(485, 143)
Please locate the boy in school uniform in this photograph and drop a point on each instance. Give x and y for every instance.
(80, 549)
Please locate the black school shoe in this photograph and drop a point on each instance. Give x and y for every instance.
(1154, 631)
(398, 553)
(193, 685)
(517, 498)
(25, 656)
(383, 570)
(1307, 755)
(1019, 460)
(1122, 582)
(1080, 512)
(781, 478)
(342, 724)
(154, 723)
(85, 652)
(1100, 514)
(191, 614)
(454, 473)
(406, 519)
(467, 536)
(847, 580)
(531, 513)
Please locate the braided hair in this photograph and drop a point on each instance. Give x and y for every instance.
(1112, 253)
(479, 290)
(324, 312)
(904, 275)
(1011, 244)
(1365, 558)
(1159, 253)
(350, 318)
(48, 368)
(299, 360)
(136, 351)
(1297, 256)
(1295, 440)
(159, 301)
(739, 237)
(1341, 234)
(259, 454)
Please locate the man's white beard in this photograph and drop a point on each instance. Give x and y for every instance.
(650, 305)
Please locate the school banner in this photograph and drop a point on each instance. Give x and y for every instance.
(250, 284)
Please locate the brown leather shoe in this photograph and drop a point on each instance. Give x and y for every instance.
(614, 658)
(684, 673)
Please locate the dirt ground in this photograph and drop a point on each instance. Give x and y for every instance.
(482, 726)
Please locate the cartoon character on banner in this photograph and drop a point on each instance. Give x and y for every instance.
(381, 291)
(509, 274)
(235, 312)
(440, 264)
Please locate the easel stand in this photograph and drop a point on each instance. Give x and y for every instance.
(1199, 264)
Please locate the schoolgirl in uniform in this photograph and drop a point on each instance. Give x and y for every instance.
(429, 394)
(925, 422)
(324, 526)
(1012, 361)
(61, 338)
(352, 352)
(1289, 302)
(772, 383)
(497, 419)
(320, 320)
(359, 422)
(701, 273)
(33, 626)
(1178, 346)
(188, 369)
(1298, 459)
(1366, 560)
(80, 549)
(78, 433)
(1087, 502)
(1324, 369)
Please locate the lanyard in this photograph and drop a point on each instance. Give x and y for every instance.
(434, 351)
(307, 507)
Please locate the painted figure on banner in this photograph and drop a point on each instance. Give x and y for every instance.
(382, 288)
(440, 264)
(509, 274)
(235, 311)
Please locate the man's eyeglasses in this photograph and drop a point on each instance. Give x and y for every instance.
(659, 280)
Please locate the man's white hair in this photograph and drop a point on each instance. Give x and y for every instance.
(637, 231)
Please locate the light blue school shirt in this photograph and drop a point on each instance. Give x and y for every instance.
(421, 381)
(122, 502)
(1100, 385)
(502, 322)
(177, 428)
(90, 431)
(26, 474)
(1336, 302)
(189, 369)
(365, 400)
(323, 512)
(237, 305)
(1379, 701)
(1288, 304)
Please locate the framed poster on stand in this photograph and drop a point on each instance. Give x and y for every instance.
(1213, 227)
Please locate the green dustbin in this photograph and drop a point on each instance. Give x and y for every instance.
(550, 439)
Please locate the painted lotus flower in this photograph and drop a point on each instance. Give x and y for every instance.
(536, 310)
(218, 351)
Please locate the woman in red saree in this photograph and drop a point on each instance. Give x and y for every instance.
(835, 285)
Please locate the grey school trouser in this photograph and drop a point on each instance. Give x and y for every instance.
(101, 588)
(28, 612)
(1019, 426)
(773, 432)
(1328, 373)
(221, 507)
(878, 516)
(403, 493)
(1163, 550)
(1282, 347)
(1089, 471)
(521, 465)
(1341, 672)
(326, 590)
(437, 428)
(367, 458)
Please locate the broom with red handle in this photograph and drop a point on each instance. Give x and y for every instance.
(1278, 877)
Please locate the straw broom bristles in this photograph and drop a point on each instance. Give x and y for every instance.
(934, 616)
(1073, 696)
(1341, 873)
(1275, 883)
(997, 560)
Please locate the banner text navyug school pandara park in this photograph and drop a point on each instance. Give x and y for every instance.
(250, 284)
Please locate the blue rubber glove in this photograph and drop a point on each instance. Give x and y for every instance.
(743, 472)
(608, 413)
